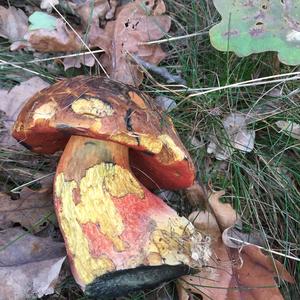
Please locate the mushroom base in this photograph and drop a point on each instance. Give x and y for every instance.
(110, 222)
(121, 283)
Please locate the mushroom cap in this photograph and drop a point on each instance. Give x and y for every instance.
(104, 109)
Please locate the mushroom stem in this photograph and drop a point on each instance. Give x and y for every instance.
(110, 222)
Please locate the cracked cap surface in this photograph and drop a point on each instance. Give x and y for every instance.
(104, 109)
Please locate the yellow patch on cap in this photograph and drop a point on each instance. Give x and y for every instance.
(92, 107)
(151, 143)
(124, 138)
(170, 151)
(45, 111)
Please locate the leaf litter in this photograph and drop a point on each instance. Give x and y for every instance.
(123, 32)
(30, 210)
(234, 136)
(233, 273)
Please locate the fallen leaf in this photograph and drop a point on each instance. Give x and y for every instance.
(224, 213)
(60, 39)
(31, 208)
(213, 279)
(253, 277)
(232, 274)
(235, 136)
(258, 26)
(41, 20)
(13, 23)
(135, 23)
(12, 102)
(76, 61)
(289, 128)
(94, 9)
(29, 265)
(234, 237)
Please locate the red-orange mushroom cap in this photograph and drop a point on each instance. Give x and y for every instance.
(105, 109)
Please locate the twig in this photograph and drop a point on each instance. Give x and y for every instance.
(262, 248)
(24, 69)
(52, 58)
(163, 72)
(175, 38)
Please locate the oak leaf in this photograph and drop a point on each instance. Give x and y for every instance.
(136, 23)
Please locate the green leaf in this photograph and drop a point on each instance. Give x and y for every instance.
(254, 26)
(41, 20)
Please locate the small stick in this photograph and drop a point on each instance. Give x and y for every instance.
(163, 72)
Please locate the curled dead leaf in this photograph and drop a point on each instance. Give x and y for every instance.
(234, 237)
(196, 194)
(224, 213)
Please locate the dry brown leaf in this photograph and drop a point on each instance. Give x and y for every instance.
(253, 278)
(232, 274)
(13, 23)
(234, 237)
(224, 213)
(12, 101)
(76, 61)
(94, 9)
(235, 136)
(29, 265)
(28, 210)
(61, 39)
(218, 271)
(135, 23)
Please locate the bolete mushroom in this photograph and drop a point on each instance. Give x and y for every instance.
(119, 236)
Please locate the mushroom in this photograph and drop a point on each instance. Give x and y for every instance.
(117, 144)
